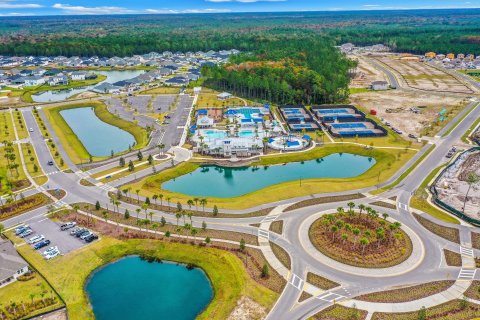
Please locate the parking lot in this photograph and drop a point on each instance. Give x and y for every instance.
(51, 230)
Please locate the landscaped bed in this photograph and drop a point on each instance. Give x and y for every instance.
(452, 310)
(452, 259)
(386, 165)
(23, 205)
(277, 226)
(72, 144)
(407, 293)
(321, 282)
(361, 240)
(281, 255)
(473, 291)
(476, 240)
(338, 312)
(450, 234)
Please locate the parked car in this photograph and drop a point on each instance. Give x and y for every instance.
(50, 250)
(91, 237)
(41, 244)
(26, 233)
(79, 234)
(85, 235)
(21, 229)
(67, 226)
(74, 230)
(167, 117)
(37, 238)
(412, 136)
(52, 254)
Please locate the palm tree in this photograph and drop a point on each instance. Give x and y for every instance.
(190, 214)
(168, 201)
(351, 205)
(178, 215)
(364, 242)
(472, 179)
(344, 238)
(385, 216)
(138, 211)
(203, 202)
(155, 227)
(160, 196)
(137, 192)
(151, 215)
(155, 197)
(145, 208)
(196, 202)
(334, 230)
(355, 232)
(194, 232)
(361, 207)
(190, 203)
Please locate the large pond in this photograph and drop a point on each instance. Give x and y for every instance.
(132, 288)
(59, 95)
(222, 182)
(98, 137)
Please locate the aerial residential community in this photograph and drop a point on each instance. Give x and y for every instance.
(276, 160)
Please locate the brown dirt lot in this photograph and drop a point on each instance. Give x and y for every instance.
(400, 101)
(365, 74)
(421, 76)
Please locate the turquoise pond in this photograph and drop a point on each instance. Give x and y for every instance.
(132, 288)
(98, 137)
(223, 182)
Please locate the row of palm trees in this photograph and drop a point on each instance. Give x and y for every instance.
(343, 223)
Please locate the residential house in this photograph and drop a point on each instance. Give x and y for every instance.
(379, 85)
(12, 265)
(34, 81)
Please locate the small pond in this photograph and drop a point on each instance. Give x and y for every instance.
(223, 182)
(60, 95)
(98, 137)
(132, 288)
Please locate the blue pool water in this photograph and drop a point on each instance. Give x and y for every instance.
(356, 133)
(213, 134)
(301, 126)
(98, 137)
(222, 182)
(135, 289)
(348, 125)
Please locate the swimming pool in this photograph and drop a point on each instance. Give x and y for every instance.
(348, 125)
(302, 125)
(247, 112)
(213, 134)
(330, 111)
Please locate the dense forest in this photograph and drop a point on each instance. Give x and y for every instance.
(302, 71)
(415, 31)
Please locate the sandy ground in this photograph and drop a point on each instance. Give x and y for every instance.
(365, 73)
(422, 76)
(247, 309)
(452, 186)
(399, 103)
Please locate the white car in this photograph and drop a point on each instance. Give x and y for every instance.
(86, 235)
(25, 233)
(50, 250)
(37, 238)
(52, 255)
(31, 129)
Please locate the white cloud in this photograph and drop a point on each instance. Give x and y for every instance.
(69, 9)
(8, 4)
(371, 5)
(15, 14)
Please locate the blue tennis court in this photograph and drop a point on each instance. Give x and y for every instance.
(357, 133)
(347, 125)
(292, 111)
(331, 111)
(302, 125)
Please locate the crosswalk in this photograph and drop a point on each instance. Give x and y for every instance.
(270, 218)
(106, 187)
(403, 206)
(466, 251)
(467, 274)
(82, 174)
(263, 234)
(330, 297)
(51, 173)
(59, 204)
(296, 281)
(40, 189)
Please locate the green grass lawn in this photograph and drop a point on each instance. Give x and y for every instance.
(10, 175)
(68, 273)
(470, 131)
(73, 146)
(419, 200)
(20, 292)
(6, 127)
(387, 164)
(459, 121)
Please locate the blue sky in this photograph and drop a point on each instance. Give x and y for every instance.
(69, 7)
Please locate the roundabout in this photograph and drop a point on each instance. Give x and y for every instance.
(357, 244)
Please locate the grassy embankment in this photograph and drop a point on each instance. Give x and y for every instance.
(387, 163)
(405, 174)
(16, 177)
(29, 91)
(227, 275)
(419, 200)
(459, 120)
(37, 175)
(73, 146)
(469, 131)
